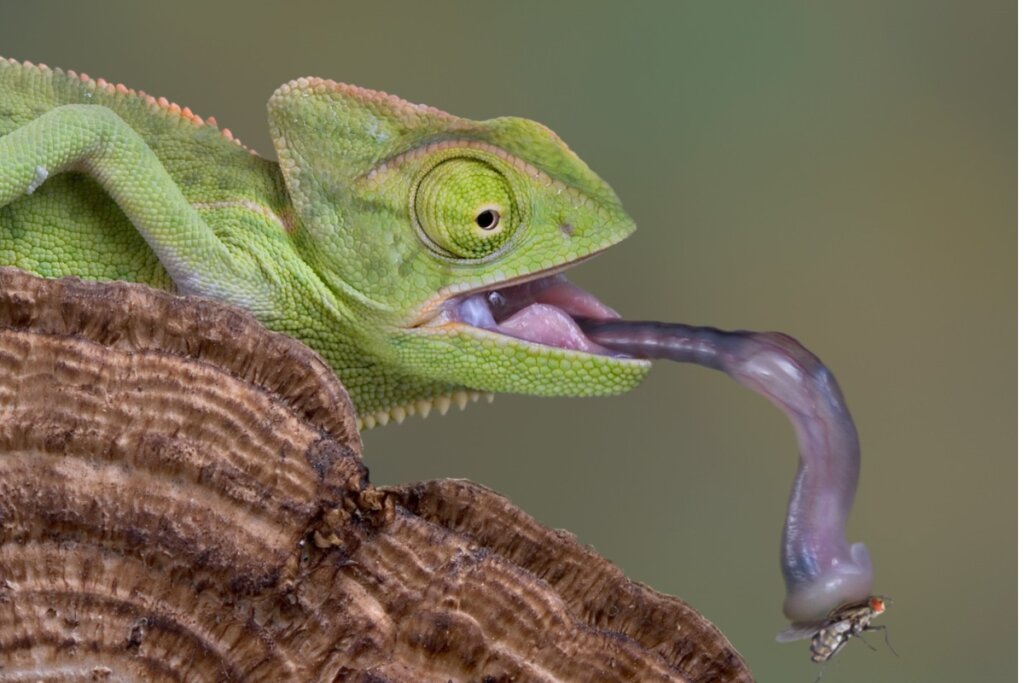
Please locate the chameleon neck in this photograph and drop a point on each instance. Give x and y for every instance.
(347, 336)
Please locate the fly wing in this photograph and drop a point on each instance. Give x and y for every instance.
(798, 632)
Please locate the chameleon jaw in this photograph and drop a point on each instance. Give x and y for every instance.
(541, 312)
(535, 314)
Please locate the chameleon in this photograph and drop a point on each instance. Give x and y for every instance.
(376, 238)
(421, 254)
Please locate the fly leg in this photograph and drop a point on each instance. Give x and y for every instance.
(885, 636)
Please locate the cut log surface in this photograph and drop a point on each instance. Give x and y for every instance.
(182, 498)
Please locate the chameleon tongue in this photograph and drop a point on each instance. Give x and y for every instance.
(555, 291)
(541, 311)
(823, 571)
(577, 302)
(551, 326)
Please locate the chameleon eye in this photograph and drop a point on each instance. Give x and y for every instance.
(488, 219)
(465, 208)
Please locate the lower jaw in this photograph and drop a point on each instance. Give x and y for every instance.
(547, 377)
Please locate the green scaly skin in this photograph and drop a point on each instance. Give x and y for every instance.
(351, 242)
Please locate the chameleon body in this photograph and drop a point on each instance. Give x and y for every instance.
(386, 236)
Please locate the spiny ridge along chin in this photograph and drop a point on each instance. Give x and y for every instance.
(541, 311)
(423, 408)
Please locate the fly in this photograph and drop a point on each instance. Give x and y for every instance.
(831, 634)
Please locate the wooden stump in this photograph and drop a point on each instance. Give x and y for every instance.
(182, 497)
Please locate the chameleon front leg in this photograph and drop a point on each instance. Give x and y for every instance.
(94, 140)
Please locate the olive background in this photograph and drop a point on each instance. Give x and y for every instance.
(843, 172)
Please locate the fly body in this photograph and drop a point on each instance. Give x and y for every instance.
(830, 635)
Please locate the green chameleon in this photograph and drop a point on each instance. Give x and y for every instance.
(419, 253)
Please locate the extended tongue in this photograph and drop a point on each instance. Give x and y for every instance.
(822, 570)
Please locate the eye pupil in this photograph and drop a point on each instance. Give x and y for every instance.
(488, 219)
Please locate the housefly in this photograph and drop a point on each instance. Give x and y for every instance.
(829, 635)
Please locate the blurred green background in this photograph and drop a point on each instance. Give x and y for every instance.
(844, 172)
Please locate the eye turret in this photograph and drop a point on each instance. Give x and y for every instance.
(465, 208)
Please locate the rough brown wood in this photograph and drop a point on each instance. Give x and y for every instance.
(593, 589)
(182, 498)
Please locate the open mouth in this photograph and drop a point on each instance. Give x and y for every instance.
(541, 311)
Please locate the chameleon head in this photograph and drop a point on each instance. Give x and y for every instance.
(444, 238)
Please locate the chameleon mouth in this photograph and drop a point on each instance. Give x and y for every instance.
(541, 311)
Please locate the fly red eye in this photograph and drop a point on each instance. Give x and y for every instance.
(877, 605)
